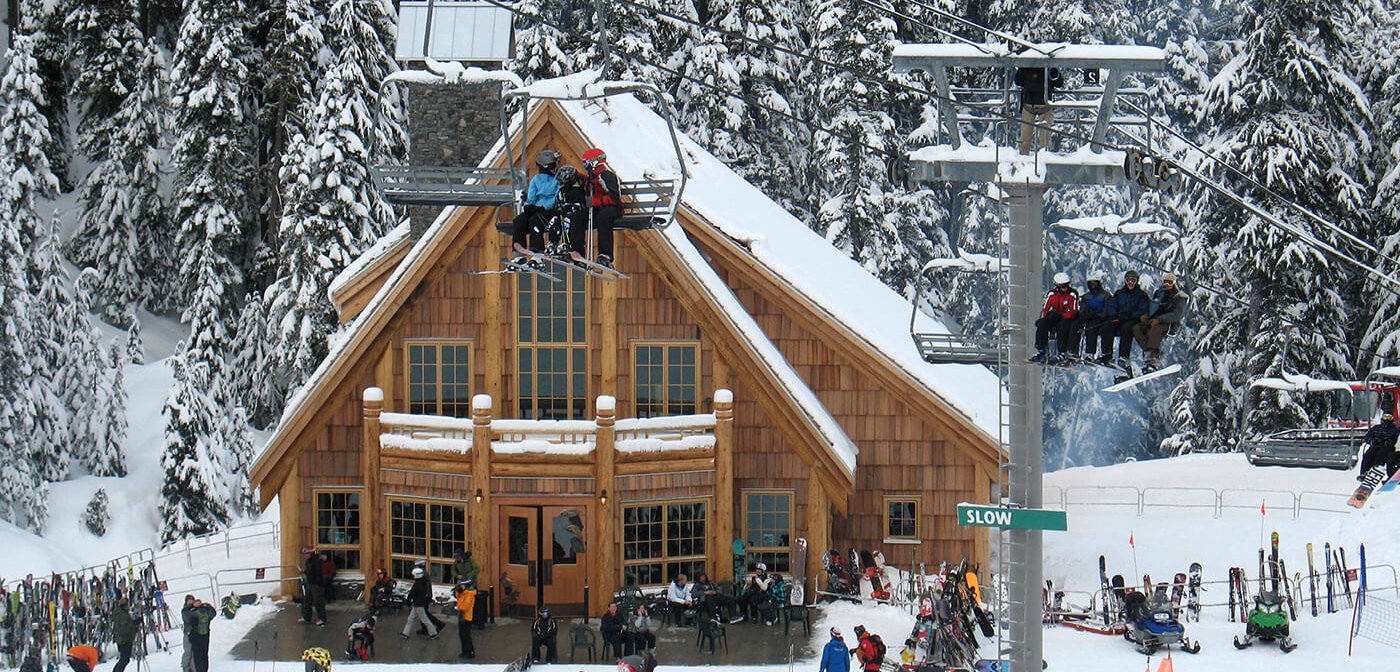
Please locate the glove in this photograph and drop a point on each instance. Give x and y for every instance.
(1142, 318)
(1154, 322)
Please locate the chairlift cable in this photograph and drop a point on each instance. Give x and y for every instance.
(1389, 284)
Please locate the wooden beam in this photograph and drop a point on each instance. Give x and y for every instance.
(665, 466)
(818, 530)
(369, 500)
(655, 455)
(723, 515)
(605, 568)
(411, 460)
(482, 511)
(543, 461)
(290, 500)
(535, 470)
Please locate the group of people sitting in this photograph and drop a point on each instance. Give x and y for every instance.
(759, 600)
(560, 204)
(1097, 317)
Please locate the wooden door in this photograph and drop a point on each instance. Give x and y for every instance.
(544, 552)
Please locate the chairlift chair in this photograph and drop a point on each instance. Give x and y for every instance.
(646, 203)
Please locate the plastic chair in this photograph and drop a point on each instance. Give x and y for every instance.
(629, 597)
(711, 630)
(800, 612)
(582, 637)
(615, 647)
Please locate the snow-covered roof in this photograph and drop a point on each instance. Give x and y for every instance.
(637, 142)
(368, 257)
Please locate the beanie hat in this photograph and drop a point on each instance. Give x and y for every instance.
(1130, 274)
(836, 633)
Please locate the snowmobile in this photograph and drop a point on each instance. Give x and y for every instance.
(1267, 621)
(1152, 625)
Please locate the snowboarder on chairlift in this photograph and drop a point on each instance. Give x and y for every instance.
(527, 232)
(1168, 307)
(1094, 312)
(606, 199)
(1061, 307)
(1380, 442)
(1130, 304)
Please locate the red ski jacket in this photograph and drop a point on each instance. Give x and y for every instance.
(1062, 302)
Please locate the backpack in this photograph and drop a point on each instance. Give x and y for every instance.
(879, 648)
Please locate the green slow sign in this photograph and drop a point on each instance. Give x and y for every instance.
(1019, 519)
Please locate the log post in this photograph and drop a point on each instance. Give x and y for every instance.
(724, 487)
(605, 568)
(370, 527)
(481, 546)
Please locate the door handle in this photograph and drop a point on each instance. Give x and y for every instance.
(547, 572)
(531, 566)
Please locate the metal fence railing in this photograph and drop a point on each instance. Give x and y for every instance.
(1216, 500)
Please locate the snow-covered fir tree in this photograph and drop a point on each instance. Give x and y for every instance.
(542, 49)
(250, 359)
(42, 22)
(193, 494)
(1288, 112)
(1377, 64)
(214, 165)
(24, 133)
(122, 231)
(97, 515)
(135, 350)
(327, 189)
(110, 457)
(104, 43)
(58, 378)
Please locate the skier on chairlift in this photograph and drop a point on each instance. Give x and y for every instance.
(1095, 310)
(1380, 442)
(1130, 304)
(606, 201)
(527, 233)
(1164, 317)
(1061, 306)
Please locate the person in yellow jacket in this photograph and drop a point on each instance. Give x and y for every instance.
(465, 592)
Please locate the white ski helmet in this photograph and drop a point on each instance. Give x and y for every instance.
(1095, 275)
(1062, 278)
(418, 572)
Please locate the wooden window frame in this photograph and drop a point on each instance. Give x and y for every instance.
(464, 403)
(340, 551)
(917, 501)
(666, 560)
(752, 551)
(574, 346)
(668, 406)
(428, 539)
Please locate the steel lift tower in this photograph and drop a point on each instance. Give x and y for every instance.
(1023, 179)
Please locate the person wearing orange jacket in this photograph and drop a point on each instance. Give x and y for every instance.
(870, 649)
(1061, 307)
(83, 658)
(465, 592)
(606, 201)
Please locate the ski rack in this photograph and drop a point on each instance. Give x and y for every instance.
(648, 203)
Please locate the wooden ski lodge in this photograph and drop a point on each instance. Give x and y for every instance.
(746, 382)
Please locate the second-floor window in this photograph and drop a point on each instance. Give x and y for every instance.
(665, 375)
(439, 377)
(552, 352)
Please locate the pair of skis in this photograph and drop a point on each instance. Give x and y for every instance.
(541, 264)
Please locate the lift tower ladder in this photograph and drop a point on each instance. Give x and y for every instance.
(1024, 178)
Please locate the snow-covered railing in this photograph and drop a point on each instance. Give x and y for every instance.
(1216, 500)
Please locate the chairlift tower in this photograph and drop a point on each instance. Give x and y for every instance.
(1024, 180)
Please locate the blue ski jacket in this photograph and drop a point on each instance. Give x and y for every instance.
(544, 190)
(1129, 304)
(1095, 305)
(835, 657)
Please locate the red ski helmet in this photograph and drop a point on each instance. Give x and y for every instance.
(593, 158)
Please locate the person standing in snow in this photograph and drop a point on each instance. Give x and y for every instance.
(313, 604)
(123, 633)
(196, 617)
(419, 596)
(529, 224)
(835, 656)
(1130, 304)
(1037, 88)
(606, 200)
(870, 649)
(1164, 317)
(1061, 307)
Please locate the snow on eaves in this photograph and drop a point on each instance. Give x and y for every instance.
(1112, 225)
(454, 73)
(380, 247)
(638, 144)
(582, 84)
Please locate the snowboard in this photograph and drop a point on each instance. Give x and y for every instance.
(797, 596)
(1193, 591)
(1120, 385)
(1371, 480)
(519, 664)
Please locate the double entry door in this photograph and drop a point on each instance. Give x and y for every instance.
(544, 552)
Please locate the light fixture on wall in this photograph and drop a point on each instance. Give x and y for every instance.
(478, 495)
(603, 498)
